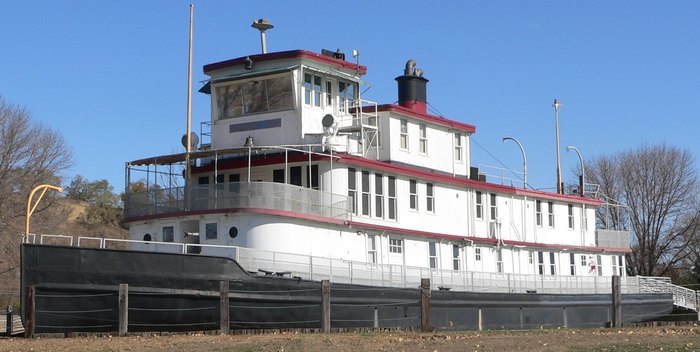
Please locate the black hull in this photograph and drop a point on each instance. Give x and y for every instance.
(77, 290)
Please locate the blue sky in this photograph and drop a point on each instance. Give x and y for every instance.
(111, 75)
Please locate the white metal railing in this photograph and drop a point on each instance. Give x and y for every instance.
(682, 297)
(264, 195)
(391, 275)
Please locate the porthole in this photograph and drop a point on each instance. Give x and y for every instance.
(233, 232)
(147, 237)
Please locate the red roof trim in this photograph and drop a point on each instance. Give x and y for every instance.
(280, 55)
(358, 224)
(428, 118)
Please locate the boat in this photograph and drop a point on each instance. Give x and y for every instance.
(297, 179)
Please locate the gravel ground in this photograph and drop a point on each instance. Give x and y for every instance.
(626, 339)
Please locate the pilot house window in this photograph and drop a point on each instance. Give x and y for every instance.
(256, 96)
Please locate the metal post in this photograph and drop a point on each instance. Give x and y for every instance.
(556, 105)
(8, 325)
(481, 321)
(524, 158)
(583, 170)
(123, 309)
(326, 306)
(224, 321)
(425, 305)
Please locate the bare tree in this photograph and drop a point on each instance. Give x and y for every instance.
(30, 154)
(659, 184)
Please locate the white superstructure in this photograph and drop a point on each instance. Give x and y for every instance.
(299, 163)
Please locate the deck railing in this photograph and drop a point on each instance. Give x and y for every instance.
(263, 195)
(390, 275)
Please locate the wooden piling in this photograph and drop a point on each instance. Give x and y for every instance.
(616, 302)
(425, 305)
(30, 312)
(326, 306)
(123, 309)
(224, 322)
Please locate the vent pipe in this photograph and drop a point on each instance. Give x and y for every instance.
(412, 88)
(262, 25)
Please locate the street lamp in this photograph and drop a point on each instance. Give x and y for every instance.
(583, 171)
(524, 158)
(556, 105)
(31, 208)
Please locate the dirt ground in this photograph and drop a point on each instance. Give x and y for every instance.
(626, 339)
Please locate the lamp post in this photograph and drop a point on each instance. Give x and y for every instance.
(524, 158)
(556, 105)
(583, 171)
(31, 208)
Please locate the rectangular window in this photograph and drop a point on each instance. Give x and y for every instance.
(493, 207)
(538, 212)
(540, 262)
(458, 146)
(456, 265)
(552, 264)
(413, 195)
(477, 254)
(599, 264)
(499, 261)
(234, 185)
(278, 176)
(432, 255)
(312, 89)
(365, 193)
(422, 139)
(395, 245)
(168, 234)
(210, 231)
(620, 266)
(312, 176)
(392, 197)
(203, 180)
(429, 198)
(295, 175)
(404, 134)
(378, 195)
(572, 264)
(584, 261)
(372, 249)
(220, 178)
(550, 218)
(530, 257)
(256, 96)
(584, 219)
(346, 95)
(571, 217)
(329, 93)
(479, 206)
(352, 189)
(614, 265)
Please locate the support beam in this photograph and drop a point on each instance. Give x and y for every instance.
(30, 312)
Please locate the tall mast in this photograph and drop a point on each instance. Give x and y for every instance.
(188, 147)
(560, 186)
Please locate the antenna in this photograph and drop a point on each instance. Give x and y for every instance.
(262, 25)
(187, 141)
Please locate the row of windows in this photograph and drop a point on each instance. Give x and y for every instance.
(292, 177)
(319, 91)
(592, 264)
(423, 140)
(493, 211)
(372, 186)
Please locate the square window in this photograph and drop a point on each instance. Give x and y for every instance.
(211, 231)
